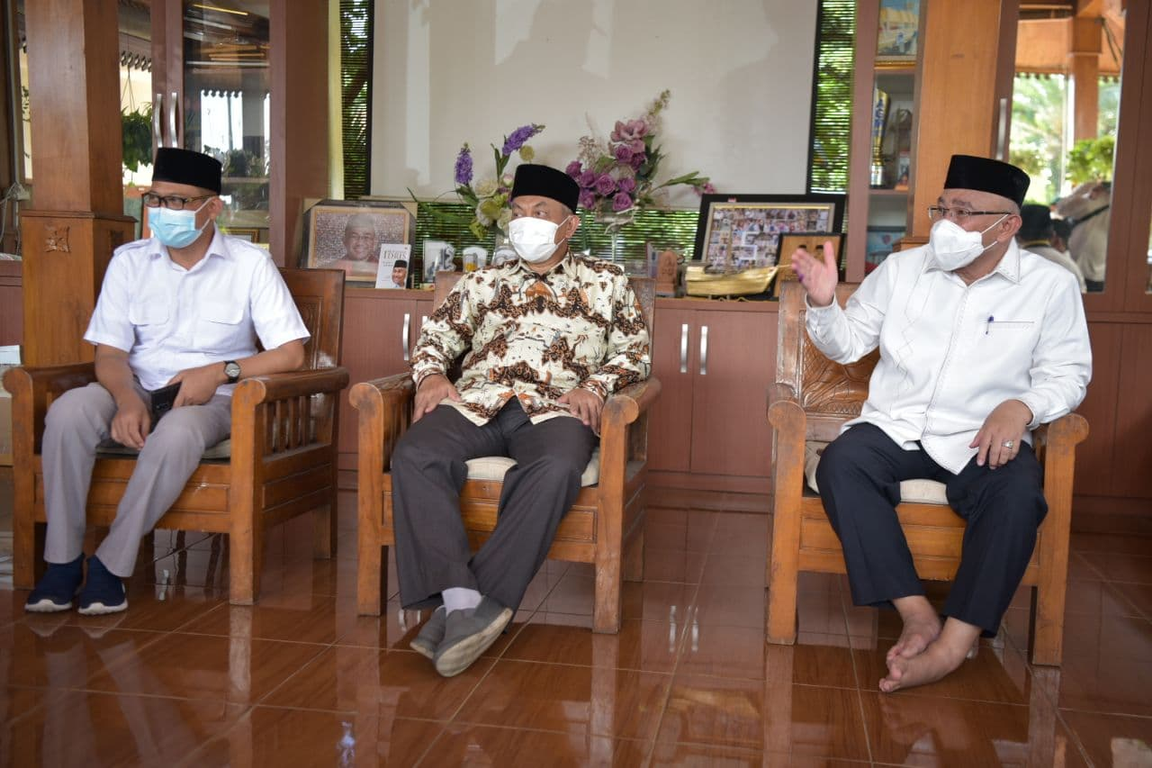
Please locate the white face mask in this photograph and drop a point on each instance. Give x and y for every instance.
(956, 247)
(534, 239)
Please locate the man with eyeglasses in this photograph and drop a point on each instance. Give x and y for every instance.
(980, 342)
(178, 317)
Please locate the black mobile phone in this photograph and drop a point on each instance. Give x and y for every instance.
(162, 401)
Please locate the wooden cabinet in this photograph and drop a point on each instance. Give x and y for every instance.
(715, 361)
(380, 332)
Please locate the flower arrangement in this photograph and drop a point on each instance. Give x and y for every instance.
(489, 197)
(617, 178)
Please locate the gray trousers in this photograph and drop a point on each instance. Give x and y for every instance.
(75, 425)
(428, 471)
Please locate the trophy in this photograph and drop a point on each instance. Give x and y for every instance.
(880, 101)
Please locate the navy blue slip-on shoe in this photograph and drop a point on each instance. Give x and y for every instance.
(56, 589)
(103, 592)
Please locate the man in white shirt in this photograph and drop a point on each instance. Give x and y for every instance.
(980, 343)
(184, 307)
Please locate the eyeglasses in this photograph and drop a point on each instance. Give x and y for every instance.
(936, 212)
(171, 202)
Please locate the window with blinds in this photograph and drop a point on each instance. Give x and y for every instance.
(356, 93)
(832, 96)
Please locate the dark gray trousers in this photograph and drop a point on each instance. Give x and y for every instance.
(428, 471)
(859, 477)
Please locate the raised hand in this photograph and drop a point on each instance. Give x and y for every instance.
(819, 277)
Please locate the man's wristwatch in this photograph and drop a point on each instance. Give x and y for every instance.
(232, 371)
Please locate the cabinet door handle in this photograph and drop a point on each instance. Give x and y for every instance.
(1002, 130)
(684, 348)
(703, 350)
(173, 135)
(157, 121)
(404, 335)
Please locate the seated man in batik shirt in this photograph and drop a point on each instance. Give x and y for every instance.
(547, 338)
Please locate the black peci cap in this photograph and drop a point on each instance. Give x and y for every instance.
(183, 166)
(985, 175)
(546, 182)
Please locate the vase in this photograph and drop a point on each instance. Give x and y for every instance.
(614, 224)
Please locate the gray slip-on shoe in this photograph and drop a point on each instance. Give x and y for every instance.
(428, 640)
(468, 633)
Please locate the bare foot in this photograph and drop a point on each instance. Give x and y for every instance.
(921, 627)
(937, 661)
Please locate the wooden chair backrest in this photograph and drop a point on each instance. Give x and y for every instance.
(829, 393)
(319, 295)
(643, 287)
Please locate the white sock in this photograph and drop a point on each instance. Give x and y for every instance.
(460, 598)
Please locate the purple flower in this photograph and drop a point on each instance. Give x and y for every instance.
(626, 184)
(587, 179)
(709, 189)
(637, 146)
(605, 185)
(638, 160)
(464, 166)
(623, 153)
(519, 136)
(574, 169)
(621, 202)
(587, 199)
(633, 129)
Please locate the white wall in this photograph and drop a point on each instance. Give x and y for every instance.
(450, 71)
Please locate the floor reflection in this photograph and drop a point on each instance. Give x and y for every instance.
(184, 678)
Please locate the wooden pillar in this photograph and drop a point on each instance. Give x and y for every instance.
(77, 202)
(299, 112)
(958, 92)
(1084, 64)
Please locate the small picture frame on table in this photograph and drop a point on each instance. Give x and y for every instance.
(348, 235)
(814, 243)
(439, 256)
(248, 234)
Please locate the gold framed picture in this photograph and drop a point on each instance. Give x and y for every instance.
(349, 235)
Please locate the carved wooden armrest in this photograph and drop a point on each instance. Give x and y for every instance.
(624, 407)
(385, 408)
(282, 386)
(31, 389)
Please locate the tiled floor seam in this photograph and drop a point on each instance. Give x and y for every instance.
(681, 642)
(856, 675)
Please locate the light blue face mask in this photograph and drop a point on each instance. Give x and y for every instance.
(175, 229)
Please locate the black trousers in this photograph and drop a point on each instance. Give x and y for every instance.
(859, 477)
(428, 471)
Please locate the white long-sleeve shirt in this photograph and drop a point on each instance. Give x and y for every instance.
(950, 353)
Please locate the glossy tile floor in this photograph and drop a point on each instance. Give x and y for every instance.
(183, 678)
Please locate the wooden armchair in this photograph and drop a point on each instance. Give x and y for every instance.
(282, 459)
(606, 517)
(813, 397)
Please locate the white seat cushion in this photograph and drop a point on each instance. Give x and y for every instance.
(492, 468)
(918, 491)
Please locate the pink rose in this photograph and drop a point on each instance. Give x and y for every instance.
(626, 185)
(605, 185)
(621, 202)
(574, 169)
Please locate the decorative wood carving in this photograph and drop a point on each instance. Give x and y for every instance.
(831, 388)
(56, 238)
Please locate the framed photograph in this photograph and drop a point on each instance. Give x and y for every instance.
(880, 241)
(897, 37)
(251, 234)
(738, 232)
(393, 270)
(348, 235)
(439, 256)
(814, 243)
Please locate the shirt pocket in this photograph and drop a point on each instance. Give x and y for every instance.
(218, 328)
(1008, 341)
(148, 311)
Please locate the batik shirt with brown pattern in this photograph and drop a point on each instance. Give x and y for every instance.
(536, 337)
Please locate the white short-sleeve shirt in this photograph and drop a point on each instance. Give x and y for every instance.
(169, 319)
